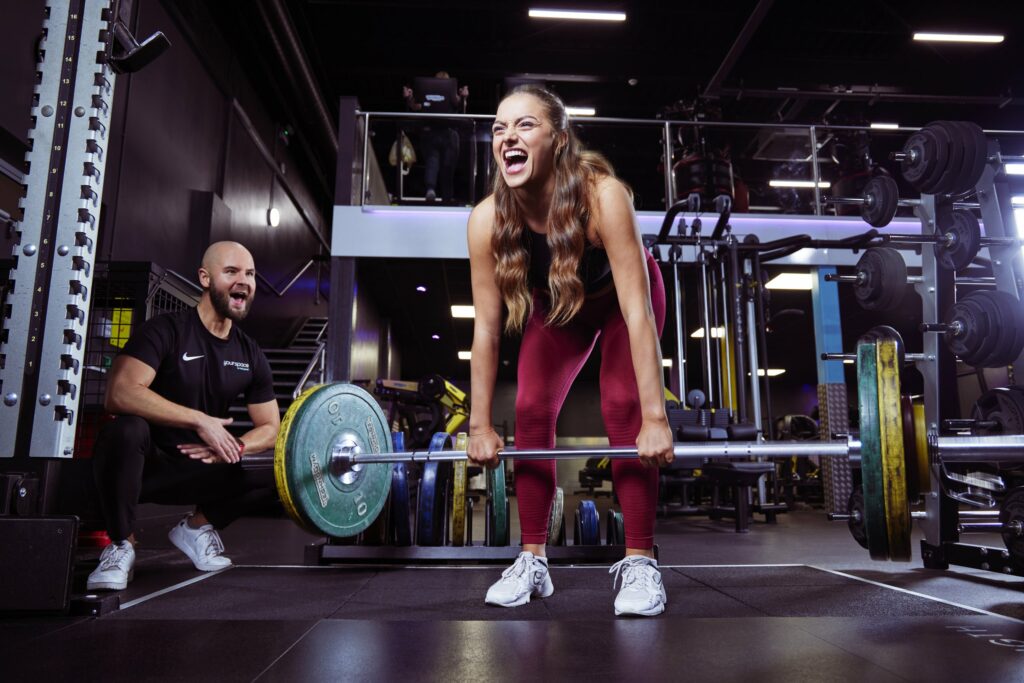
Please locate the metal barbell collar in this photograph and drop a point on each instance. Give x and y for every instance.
(994, 448)
(351, 456)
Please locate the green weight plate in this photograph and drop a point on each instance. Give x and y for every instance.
(871, 452)
(556, 525)
(894, 473)
(458, 534)
(498, 506)
(336, 500)
(615, 533)
(879, 332)
(281, 462)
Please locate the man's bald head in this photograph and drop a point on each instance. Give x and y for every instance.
(223, 253)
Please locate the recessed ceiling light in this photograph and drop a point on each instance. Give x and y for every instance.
(463, 312)
(577, 15)
(799, 183)
(790, 281)
(465, 355)
(435, 337)
(958, 37)
(772, 372)
(884, 126)
(1017, 201)
(666, 362)
(273, 217)
(848, 361)
(580, 111)
(420, 288)
(1014, 169)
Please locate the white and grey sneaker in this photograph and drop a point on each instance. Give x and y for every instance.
(528, 576)
(642, 593)
(115, 568)
(203, 546)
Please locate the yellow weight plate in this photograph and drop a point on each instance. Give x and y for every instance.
(894, 475)
(921, 446)
(458, 535)
(280, 468)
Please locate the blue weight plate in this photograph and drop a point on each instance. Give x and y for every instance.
(590, 523)
(401, 526)
(430, 518)
(398, 442)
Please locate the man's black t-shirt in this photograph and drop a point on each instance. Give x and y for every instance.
(198, 370)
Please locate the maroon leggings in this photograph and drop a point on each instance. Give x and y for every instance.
(549, 360)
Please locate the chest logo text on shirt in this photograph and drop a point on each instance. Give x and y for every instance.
(244, 367)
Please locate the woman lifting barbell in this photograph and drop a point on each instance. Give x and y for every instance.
(558, 244)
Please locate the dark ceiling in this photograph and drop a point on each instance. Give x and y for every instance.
(785, 61)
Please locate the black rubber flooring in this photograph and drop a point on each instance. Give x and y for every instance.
(765, 623)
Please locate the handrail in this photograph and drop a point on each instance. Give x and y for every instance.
(318, 358)
(291, 282)
(184, 279)
(818, 134)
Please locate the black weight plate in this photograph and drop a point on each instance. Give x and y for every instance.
(881, 279)
(920, 162)
(955, 139)
(430, 518)
(401, 522)
(881, 198)
(556, 520)
(1002, 308)
(855, 508)
(1011, 328)
(1005, 407)
(974, 166)
(964, 241)
(589, 523)
(974, 338)
(942, 150)
(1011, 512)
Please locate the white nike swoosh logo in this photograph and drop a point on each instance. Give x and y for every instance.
(185, 357)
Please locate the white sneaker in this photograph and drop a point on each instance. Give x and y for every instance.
(527, 576)
(203, 546)
(642, 593)
(115, 568)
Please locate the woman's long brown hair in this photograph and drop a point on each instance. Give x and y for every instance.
(576, 171)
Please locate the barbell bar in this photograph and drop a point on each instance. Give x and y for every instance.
(347, 454)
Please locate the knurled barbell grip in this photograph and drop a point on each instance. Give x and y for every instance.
(707, 449)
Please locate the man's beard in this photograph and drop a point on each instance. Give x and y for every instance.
(222, 305)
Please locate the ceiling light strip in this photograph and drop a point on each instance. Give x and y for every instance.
(577, 15)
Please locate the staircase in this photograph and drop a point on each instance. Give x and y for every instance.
(287, 365)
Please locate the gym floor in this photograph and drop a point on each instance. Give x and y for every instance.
(797, 600)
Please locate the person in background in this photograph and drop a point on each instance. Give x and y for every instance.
(439, 144)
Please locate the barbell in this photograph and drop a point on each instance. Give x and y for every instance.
(333, 455)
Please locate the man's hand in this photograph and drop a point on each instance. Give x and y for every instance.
(220, 442)
(464, 92)
(406, 92)
(199, 451)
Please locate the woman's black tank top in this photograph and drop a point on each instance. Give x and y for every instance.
(594, 270)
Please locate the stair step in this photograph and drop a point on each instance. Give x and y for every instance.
(286, 352)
